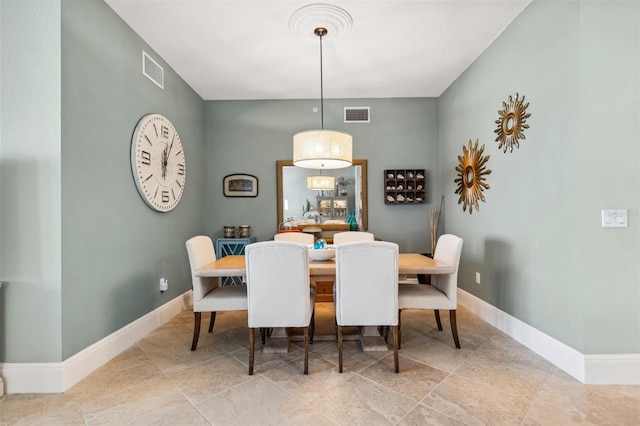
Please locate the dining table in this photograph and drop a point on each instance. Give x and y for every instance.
(323, 271)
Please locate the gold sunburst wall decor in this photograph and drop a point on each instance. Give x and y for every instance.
(471, 176)
(512, 122)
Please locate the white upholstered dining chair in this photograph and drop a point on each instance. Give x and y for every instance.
(442, 292)
(295, 237)
(351, 236)
(278, 290)
(208, 296)
(300, 238)
(367, 289)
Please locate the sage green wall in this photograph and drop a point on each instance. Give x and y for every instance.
(538, 241)
(82, 254)
(30, 126)
(250, 136)
(115, 248)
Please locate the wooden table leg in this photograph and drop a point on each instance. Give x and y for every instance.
(371, 340)
(278, 342)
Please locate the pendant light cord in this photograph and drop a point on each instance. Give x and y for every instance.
(321, 89)
(321, 32)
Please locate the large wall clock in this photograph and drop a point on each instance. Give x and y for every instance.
(157, 162)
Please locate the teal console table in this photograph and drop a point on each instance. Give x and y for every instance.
(229, 247)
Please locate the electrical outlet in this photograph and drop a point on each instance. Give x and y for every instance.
(614, 219)
(164, 284)
(478, 278)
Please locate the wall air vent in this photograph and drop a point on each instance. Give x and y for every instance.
(152, 70)
(356, 114)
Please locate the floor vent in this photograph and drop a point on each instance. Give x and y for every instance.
(356, 115)
(152, 70)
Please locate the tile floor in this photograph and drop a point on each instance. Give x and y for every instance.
(492, 380)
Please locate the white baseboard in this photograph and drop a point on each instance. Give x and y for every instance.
(57, 377)
(613, 369)
(590, 369)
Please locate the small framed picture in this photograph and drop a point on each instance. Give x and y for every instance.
(240, 185)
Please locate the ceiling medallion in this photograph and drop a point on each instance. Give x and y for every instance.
(471, 176)
(305, 20)
(512, 123)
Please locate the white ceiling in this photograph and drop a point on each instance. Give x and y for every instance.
(245, 49)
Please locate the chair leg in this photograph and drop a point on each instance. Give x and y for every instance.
(212, 321)
(396, 363)
(437, 312)
(339, 349)
(252, 338)
(384, 332)
(263, 335)
(197, 317)
(397, 344)
(306, 350)
(454, 327)
(312, 326)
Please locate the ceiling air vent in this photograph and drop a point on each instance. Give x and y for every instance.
(356, 114)
(152, 70)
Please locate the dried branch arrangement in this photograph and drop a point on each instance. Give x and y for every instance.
(433, 226)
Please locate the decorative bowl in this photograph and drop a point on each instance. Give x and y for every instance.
(322, 254)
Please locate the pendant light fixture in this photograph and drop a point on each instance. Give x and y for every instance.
(321, 183)
(322, 149)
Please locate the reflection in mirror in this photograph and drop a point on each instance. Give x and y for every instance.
(510, 123)
(322, 207)
(468, 177)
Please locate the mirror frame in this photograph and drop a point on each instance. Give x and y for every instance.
(512, 123)
(471, 177)
(365, 202)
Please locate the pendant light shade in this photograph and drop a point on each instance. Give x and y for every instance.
(322, 149)
(321, 183)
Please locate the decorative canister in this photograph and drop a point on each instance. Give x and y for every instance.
(229, 231)
(245, 231)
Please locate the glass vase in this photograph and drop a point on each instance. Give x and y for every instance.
(351, 220)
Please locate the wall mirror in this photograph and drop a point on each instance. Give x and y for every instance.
(512, 123)
(471, 180)
(298, 202)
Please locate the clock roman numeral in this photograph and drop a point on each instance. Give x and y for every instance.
(165, 196)
(164, 131)
(180, 169)
(146, 158)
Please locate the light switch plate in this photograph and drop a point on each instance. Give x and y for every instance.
(614, 219)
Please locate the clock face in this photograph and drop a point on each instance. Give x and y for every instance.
(157, 162)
